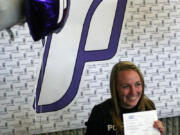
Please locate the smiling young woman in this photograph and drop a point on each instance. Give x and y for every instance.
(127, 95)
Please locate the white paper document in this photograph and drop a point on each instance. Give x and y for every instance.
(140, 123)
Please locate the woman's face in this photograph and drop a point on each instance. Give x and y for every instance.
(129, 88)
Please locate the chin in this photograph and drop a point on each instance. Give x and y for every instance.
(132, 105)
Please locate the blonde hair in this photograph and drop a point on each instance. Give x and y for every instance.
(115, 112)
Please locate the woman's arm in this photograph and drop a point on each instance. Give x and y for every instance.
(94, 123)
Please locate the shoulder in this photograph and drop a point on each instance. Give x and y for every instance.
(100, 121)
(100, 111)
(149, 104)
(107, 104)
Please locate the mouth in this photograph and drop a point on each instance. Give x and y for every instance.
(132, 98)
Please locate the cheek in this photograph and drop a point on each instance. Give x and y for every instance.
(139, 91)
(122, 93)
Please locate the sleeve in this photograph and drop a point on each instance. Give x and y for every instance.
(95, 122)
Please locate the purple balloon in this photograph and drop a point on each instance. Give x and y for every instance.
(42, 17)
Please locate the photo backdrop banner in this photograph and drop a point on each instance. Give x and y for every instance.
(54, 87)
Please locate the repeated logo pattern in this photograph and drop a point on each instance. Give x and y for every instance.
(19, 65)
(150, 38)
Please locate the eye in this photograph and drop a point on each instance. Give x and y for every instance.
(125, 86)
(138, 84)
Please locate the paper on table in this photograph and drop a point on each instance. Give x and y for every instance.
(140, 123)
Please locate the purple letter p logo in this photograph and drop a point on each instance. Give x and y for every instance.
(83, 55)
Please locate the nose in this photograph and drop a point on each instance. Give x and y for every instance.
(132, 90)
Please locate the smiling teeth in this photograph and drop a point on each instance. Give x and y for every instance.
(132, 98)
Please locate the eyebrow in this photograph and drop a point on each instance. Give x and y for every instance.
(139, 81)
(128, 83)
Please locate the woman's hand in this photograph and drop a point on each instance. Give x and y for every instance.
(159, 125)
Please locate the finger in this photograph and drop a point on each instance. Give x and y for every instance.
(159, 125)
